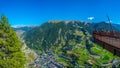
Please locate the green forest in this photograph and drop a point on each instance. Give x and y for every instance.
(11, 55)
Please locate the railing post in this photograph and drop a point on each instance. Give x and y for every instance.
(114, 51)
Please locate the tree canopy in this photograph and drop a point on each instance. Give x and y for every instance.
(11, 55)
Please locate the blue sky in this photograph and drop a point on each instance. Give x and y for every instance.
(36, 12)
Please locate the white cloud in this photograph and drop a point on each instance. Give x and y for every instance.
(91, 18)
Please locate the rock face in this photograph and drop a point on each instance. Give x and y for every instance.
(71, 43)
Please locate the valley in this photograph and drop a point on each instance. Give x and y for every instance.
(68, 45)
(60, 34)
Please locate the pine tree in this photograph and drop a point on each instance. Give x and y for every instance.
(11, 55)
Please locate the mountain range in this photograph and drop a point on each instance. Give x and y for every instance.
(71, 42)
(54, 32)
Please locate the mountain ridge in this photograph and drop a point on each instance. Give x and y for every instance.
(53, 28)
(71, 43)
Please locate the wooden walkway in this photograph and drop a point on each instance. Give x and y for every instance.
(108, 40)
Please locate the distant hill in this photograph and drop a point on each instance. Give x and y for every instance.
(117, 26)
(71, 42)
(24, 28)
(21, 30)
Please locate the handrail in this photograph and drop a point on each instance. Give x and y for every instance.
(108, 34)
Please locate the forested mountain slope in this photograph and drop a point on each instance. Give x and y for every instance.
(71, 43)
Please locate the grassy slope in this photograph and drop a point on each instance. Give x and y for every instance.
(82, 56)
